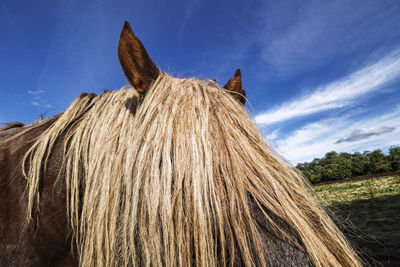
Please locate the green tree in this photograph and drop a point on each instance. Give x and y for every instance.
(319, 174)
(338, 168)
(359, 164)
(378, 162)
(335, 166)
(331, 156)
(394, 157)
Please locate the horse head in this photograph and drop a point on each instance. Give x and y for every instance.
(172, 172)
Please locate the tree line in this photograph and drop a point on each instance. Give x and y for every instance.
(336, 166)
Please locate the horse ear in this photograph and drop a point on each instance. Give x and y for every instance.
(234, 86)
(135, 62)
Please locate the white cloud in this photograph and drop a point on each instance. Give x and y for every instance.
(35, 103)
(338, 93)
(188, 13)
(37, 92)
(317, 138)
(360, 134)
(312, 33)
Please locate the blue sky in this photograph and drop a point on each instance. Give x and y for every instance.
(319, 75)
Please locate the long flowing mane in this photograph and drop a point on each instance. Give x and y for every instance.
(171, 172)
(173, 178)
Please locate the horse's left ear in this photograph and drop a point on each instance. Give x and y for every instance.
(235, 88)
(135, 62)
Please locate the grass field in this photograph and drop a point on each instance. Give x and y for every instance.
(369, 213)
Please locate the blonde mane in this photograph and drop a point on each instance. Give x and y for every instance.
(167, 179)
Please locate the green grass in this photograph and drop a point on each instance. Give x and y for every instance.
(369, 213)
(368, 189)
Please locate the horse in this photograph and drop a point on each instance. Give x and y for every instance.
(168, 172)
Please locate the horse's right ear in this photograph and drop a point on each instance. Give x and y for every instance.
(135, 62)
(235, 88)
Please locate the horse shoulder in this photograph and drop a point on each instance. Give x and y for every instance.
(38, 243)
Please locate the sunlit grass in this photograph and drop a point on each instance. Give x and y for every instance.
(346, 192)
(372, 207)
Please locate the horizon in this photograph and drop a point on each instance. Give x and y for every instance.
(319, 76)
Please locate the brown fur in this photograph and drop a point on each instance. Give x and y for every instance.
(35, 244)
(12, 125)
(234, 86)
(136, 63)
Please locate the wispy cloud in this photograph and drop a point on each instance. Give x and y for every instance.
(36, 95)
(307, 35)
(338, 93)
(37, 92)
(360, 134)
(317, 138)
(188, 13)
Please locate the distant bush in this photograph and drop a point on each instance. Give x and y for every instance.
(394, 158)
(336, 166)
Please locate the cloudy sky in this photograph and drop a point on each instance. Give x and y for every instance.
(319, 75)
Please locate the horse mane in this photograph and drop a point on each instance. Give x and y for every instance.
(169, 178)
(12, 125)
